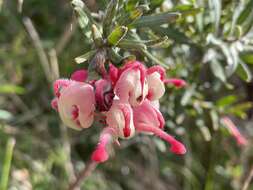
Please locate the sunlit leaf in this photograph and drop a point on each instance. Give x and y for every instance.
(227, 100)
(247, 57)
(244, 72)
(218, 70)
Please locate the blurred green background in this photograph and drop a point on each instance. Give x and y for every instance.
(210, 46)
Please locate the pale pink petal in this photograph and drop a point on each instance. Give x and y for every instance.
(131, 85)
(156, 88)
(120, 117)
(76, 105)
(59, 85)
(157, 69)
(147, 114)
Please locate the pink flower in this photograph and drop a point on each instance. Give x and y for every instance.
(104, 94)
(240, 139)
(107, 136)
(120, 117)
(156, 80)
(59, 85)
(130, 82)
(76, 105)
(80, 75)
(148, 119)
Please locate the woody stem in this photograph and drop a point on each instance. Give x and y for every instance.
(89, 168)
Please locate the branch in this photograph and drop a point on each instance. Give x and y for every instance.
(248, 180)
(90, 167)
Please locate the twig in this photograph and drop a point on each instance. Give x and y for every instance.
(91, 165)
(66, 36)
(38, 46)
(248, 180)
(54, 64)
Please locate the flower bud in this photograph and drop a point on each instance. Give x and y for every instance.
(76, 105)
(106, 138)
(80, 75)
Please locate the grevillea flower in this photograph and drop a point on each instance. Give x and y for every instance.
(107, 136)
(240, 139)
(80, 75)
(120, 117)
(127, 100)
(104, 94)
(156, 80)
(148, 119)
(76, 105)
(130, 82)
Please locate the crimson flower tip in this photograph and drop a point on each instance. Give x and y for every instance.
(178, 148)
(100, 155)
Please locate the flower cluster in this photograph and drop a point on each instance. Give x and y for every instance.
(125, 100)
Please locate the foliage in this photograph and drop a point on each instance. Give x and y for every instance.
(208, 43)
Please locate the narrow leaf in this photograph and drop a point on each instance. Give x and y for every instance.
(244, 72)
(117, 35)
(156, 20)
(85, 57)
(247, 57)
(7, 164)
(217, 70)
(111, 11)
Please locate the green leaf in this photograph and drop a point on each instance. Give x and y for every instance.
(217, 70)
(83, 19)
(187, 95)
(160, 42)
(173, 34)
(81, 7)
(85, 57)
(7, 164)
(217, 14)
(117, 35)
(131, 45)
(110, 13)
(240, 109)
(154, 59)
(226, 101)
(11, 89)
(245, 13)
(130, 17)
(245, 18)
(156, 20)
(215, 119)
(244, 72)
(97, 36)
(247, 57)
(186, 10)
